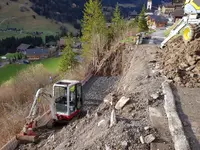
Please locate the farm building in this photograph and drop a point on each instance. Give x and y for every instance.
(155, 21)
(23, 47)
(168, 9)
(178, 14)
(37, 53)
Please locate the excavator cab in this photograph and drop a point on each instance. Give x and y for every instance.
(68, 101)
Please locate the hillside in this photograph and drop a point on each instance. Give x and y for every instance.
(18, 19)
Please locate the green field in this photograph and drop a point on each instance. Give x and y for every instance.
(10, 71)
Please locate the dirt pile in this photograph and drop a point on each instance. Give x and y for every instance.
(181, 62)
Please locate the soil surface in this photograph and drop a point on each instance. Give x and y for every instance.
(181, 62)
(137, 79)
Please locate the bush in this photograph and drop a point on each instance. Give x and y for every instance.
(16, 100)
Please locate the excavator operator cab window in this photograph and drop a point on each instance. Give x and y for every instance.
(75, 97)
(68, 99)
(60, 94)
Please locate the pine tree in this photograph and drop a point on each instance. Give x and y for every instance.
(142, 22)
(118, 22)
(116, 15)
(93, 22)
(68, 58)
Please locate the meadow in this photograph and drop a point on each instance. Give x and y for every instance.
(9, 72)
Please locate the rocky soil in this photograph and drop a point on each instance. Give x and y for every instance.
(181, 62)
(120, 119)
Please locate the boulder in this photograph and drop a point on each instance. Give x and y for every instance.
(149, 138)
(120, 104)
(113, 119)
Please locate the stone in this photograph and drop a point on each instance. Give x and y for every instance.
(155, 96)
(97, 114)
(109, 99)
(88, 114)
(146, 128)
(124, 143)
(142, 139)
(156, 117)
(149, 138)
(120, 104)
(190, 59)
(113, 119)
(190, 68)
(158, 146)
(101, 122)
(107, 147)
(183, 65)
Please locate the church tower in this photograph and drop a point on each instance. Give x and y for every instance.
(149, 4)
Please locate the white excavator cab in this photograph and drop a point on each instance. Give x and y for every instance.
(65, 103)
(67, 96)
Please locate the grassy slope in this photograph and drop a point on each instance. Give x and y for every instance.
(17, 19)
(10, 71)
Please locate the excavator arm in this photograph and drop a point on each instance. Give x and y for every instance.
(181, 24)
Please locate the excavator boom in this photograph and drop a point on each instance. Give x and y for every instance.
(189, 24)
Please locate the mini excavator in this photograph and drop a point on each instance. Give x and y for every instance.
(65, 103)
(190, 23)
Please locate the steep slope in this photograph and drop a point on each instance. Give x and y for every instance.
(93, 131)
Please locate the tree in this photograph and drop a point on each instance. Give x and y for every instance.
(118, 22)
(117, 18)
(68, 58)
(142, 22)
(93, 23)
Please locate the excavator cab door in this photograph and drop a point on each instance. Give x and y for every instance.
(75, 98)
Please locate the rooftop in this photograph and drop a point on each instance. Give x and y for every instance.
(158, 19)
(178, 12)
(23, 46)
(36, 51)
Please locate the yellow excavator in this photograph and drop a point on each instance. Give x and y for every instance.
(189, 24)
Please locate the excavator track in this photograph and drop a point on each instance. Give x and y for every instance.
(191, 32)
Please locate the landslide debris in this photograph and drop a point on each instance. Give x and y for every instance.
(181, 62)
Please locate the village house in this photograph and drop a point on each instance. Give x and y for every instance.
(23, 47)
(37, 53)
(178, 12)
(155, 21)
(167, 9)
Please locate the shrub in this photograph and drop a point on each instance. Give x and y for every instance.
(16, 100)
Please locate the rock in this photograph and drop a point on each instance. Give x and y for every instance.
(155, 96)
(88, 114)
(123, 100)
(190, 60)
(101, 122)
(146, 128)
(113, 119)
(124, 143)
(149, 138)
(97, 114)
(183, 65)
(190, 68)
(109, 99)
(107, 147)
(158, 146)
(142, 139)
